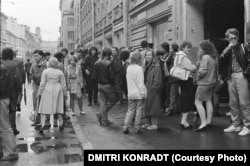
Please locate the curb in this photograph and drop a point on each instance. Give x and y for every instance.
(84, 143)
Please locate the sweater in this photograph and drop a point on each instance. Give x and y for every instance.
(135, 82)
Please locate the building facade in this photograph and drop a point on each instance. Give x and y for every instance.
(67, 26)
(128, 22)
(49, 46)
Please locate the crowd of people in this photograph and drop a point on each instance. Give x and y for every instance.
(154, 82)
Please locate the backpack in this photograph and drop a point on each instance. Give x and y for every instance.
(4, 82)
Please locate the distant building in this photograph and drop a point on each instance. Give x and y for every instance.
(67, 33)
(49, 46)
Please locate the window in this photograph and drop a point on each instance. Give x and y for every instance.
(70, 21)
(71, 35)
(71, 46)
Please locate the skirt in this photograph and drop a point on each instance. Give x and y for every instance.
(205, 93)
(187, 96)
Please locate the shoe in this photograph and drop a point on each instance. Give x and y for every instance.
(73, 114)
(18, 107)
(232, 129)
(95, 102)
(46, 127)
(145, 126)
(126, 131)
(10, 157)
(41, 130)
(55, 124)
(16, 132)
(168, 112)
(138, 131)
(99, 117)
(184, 127)
(90, 104)
(82, 113)
(245, 131)
(228, 113)
(152, 127)
(61, 128)
(209, 125)
(107, 123)
(201, 129)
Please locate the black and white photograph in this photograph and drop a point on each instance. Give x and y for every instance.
(124, 82)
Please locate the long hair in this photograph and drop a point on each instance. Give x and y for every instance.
(208, 48)
(93, 48)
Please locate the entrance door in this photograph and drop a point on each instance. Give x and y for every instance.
(221, 15)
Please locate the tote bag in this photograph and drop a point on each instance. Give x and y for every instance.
(178, 71)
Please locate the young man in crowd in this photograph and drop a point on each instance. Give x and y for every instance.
(27, 66)
(105, 79)
(236, 57)
(6, 84)
(36, 71)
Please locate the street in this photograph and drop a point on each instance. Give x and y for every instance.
(53, 149)
(168, 136)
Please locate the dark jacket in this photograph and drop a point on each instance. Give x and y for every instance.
(21, 68)
(170, 64)
(153, 80)
(27, 66)
(103, 72)
(89, 65)
(242, 57)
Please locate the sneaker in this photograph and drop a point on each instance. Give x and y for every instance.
(126, 131)
(99, 117)
(232, 129)
(73, 114)
(228, 113)
(152, 127)
(145, 126)
(16, 132)
(107, 123)
(245, 131)
(10, 157)
(168, 112)
(82, 113)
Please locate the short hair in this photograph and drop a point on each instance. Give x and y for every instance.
(233, 31)
(124, 54)
(85, 52)
(144, 44)
(47, 54)
(73, 58)
(159, 52)
(59, 56)
(40, 52)
(7, 54)
(208, 48)
(134, 57)
(185, 44)
(117, 50)
(175, 47)
(106, 52)
(165, 46)
(71, 52)
(93, 48)
(65, 50)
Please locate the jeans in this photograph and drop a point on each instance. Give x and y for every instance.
(107, 98)
(92, 89)
(239, 100)
(6, 132)
(118, 86)
(35, 88)
(134, 109)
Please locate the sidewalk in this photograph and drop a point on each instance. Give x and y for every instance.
(168, 136)
(56, 148)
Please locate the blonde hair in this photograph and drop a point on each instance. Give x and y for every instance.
(134, 57)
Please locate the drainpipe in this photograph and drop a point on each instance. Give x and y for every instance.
(125, 22)
(93, 22)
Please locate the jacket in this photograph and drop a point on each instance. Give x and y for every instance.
(242, 57)
(103, 72)
(89, 64)
(21, 68)
(135, 82)
(36, 72)
(207, 71)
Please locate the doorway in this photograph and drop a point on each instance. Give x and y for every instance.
(221, 15)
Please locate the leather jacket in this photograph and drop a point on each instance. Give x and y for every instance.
(103, 72)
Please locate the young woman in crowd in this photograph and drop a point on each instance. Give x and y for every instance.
(136, 93)
(153, 80)
(74, 81)
(206, 78)
(51, 93)
(187, 87)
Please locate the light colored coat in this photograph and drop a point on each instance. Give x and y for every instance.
(74, 85)
(135, 82)
(53, 89)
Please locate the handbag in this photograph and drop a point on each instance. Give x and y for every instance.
(178, 71)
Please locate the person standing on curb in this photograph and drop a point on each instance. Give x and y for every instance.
(104, 75)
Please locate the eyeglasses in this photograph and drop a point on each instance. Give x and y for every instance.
(233, 38)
